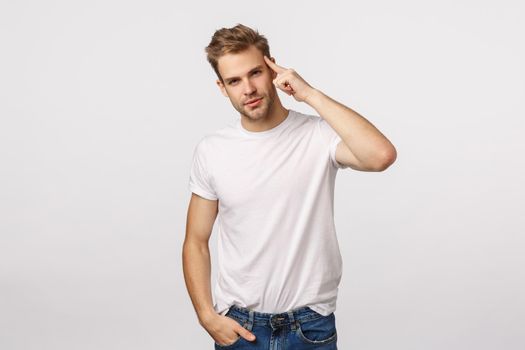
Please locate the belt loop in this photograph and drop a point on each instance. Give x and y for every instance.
(250, 320)
(292, 320)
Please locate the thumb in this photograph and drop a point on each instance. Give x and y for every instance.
(246, 334)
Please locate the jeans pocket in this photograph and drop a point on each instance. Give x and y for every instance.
(320, 330)
(227, 346)
(235, 342)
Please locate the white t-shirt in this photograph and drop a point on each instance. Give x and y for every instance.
(277, 243)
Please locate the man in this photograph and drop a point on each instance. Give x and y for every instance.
(270, 175)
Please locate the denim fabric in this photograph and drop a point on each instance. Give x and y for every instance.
(301, 328)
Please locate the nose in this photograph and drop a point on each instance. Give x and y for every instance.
(249, 88)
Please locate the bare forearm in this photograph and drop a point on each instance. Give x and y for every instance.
(197, 275)
(364, 140)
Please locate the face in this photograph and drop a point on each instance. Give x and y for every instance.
(247, 77)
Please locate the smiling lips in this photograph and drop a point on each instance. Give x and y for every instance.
(254, 102)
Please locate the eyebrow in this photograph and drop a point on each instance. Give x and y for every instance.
(251, 70)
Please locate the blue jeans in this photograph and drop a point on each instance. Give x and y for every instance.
(301, 328)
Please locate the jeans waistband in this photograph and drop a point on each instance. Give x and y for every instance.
(276, 320)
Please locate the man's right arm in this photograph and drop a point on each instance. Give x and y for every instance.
(197, 271)
(196, 255)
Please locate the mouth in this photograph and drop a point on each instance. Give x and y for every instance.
(253, 102)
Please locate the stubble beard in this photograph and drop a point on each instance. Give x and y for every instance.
(260, 112)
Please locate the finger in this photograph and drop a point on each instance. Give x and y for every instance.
(275, 67)
(246, 334)
(284, 85)
(229, 342)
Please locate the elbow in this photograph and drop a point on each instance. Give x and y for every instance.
(386, 159)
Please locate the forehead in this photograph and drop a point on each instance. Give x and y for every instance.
(240, 63)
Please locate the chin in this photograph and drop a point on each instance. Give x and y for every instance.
(254, 114)
(257, 114)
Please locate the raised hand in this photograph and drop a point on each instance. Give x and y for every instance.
(289, 81)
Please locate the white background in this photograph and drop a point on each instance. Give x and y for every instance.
(103, 102)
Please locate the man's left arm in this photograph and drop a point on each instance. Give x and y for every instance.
(363, 146)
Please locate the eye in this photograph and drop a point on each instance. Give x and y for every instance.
(232, 81)
(257, 71)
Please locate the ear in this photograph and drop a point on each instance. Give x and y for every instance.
(222, 87)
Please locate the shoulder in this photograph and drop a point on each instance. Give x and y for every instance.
(303, 116)
(216, 139)
(305, 120)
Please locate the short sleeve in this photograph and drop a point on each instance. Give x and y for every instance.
(200, 182)
(331, 140)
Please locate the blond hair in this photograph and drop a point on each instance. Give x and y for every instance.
(234, 40)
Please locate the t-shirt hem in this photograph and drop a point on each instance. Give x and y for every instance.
(321, 310)
(201, 192)
(333, 149)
